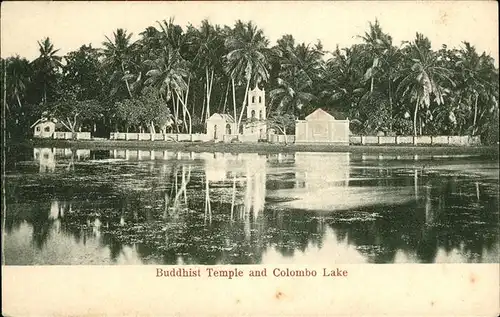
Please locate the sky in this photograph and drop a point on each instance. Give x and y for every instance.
(72, 24)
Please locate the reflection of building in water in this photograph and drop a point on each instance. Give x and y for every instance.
(47, 157)
(57, 211)
(215, 166)
(280, 157)
(317, 170)
(255, 188)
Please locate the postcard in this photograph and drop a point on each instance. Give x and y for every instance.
(250, 158)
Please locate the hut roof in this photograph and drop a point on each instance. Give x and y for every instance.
(43, 120)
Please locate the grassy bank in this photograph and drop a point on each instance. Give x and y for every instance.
(491, 151)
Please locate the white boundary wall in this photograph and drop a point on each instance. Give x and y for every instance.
(422, 139)
(158, 137)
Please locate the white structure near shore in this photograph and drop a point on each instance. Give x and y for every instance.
(43, 128)
(322, 127)
(223, 127)
(219, 125)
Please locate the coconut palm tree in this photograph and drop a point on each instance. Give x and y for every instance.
(47, 64)
(18, 78)
(377, 43)
(342, 80)
(293, 95)
(208, 44)
(308, 60)
(247, 57)
(168, 73)
(422, 77)
(117, 58)
(475, 72)
(384, 59)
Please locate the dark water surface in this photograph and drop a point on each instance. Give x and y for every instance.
(130, 207)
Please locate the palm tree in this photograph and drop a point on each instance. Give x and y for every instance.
(168, 73)
(377, 43)
(308, 61)
(475, 71)
(207, 43)
(117, 57)
(48, 63)
(247, 58)
(300, 67)
(292, 96)
(384, 58)
(422, 77)
(18, 74)
(342, 79)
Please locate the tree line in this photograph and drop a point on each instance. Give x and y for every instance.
(174, 78)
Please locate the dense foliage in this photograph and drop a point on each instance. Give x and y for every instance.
(174, 78)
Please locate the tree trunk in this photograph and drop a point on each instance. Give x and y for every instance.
(126, 82)
(194, 102)
(18, 101)
(415, 117)
(475, 116)
(225, 98)
(176, 118)
(185, 104)
(244, 103)
(152, 131)
(183, 113)
(234, 104)
(209, 83)
(202, 116)
(390, 104)
(186, 111)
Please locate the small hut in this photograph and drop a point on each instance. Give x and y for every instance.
(44, 128)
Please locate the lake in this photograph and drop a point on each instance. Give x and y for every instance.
(85, 207)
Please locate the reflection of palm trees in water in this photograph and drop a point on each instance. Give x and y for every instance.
(421, 228)
(238, 231)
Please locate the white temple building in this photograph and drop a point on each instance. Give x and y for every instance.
(223, 127)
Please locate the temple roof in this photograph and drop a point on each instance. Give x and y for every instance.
(320, 114)
(220, 116)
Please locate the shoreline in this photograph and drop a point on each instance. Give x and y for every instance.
(491, 151)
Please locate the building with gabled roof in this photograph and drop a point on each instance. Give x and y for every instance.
(219, 125)
(322, 127)
(44, 128)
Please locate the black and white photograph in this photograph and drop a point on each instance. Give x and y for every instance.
(261, 133)
(199, 142)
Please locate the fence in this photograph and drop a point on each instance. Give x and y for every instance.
(69, 135)
(251, 138)
(158, 137)
(415, 140)
(278, 138)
